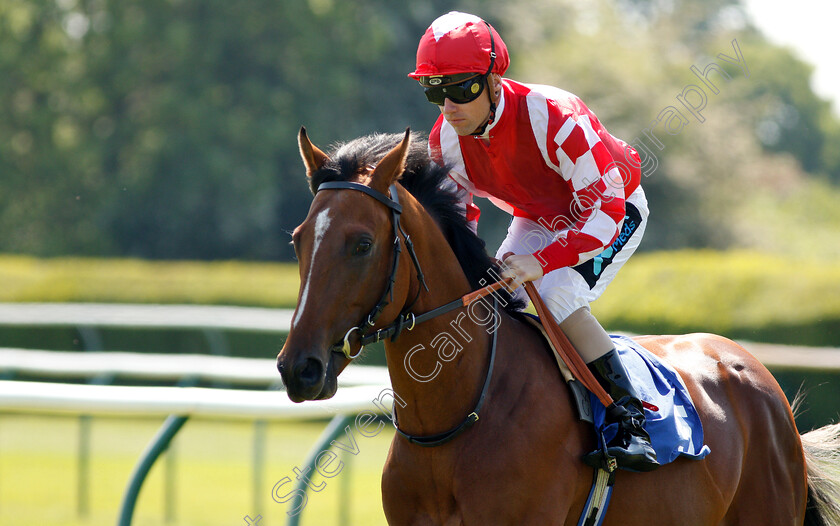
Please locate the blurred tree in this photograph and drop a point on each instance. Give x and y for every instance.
(784, 111)
(166, 128)
(49, 180)
(629, 60)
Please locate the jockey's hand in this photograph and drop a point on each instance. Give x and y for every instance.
(521, 268)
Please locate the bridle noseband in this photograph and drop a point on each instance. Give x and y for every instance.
(406, 319)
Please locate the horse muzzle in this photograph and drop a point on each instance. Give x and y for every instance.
(309, 377)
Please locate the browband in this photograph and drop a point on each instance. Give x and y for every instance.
(390, 202)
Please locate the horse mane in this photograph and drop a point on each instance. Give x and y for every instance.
(426, 181)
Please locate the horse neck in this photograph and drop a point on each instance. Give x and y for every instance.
(438, 369)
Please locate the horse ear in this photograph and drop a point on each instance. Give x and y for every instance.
(392, 165)
(313, 158)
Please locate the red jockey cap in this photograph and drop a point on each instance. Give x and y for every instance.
(459, 43)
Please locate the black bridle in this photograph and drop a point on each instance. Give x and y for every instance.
(405, 316)
(406, 319)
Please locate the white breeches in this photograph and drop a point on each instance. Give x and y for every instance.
(567, 289)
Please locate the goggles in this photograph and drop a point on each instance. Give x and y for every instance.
(459, 92)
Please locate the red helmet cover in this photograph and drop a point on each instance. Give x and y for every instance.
(459, 43)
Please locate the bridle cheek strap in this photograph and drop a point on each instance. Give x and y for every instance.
(393, 203)
(407, 319)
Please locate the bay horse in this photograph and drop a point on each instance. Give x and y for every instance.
(509, 444)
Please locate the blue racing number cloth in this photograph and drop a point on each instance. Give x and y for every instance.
(671, 419)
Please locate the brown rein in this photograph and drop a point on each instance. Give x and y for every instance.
(565, 348)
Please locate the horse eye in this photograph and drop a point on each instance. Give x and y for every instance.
(363, 247)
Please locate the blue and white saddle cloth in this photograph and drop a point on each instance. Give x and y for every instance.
(671, 420)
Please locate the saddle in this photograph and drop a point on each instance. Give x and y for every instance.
(670, 417)
(672, 421)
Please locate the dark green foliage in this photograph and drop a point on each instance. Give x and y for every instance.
(166, 128)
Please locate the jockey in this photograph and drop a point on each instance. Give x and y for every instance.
(573, 190)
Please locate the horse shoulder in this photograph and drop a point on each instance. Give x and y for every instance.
(535, 423)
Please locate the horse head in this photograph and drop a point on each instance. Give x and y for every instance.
(345, 251)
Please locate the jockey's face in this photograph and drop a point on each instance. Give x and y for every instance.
(468, 117)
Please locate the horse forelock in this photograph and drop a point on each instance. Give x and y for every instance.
(354, 160)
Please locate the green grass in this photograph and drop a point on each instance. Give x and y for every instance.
(740, 294)
(27, 279)
(805, 221)
(213, 473)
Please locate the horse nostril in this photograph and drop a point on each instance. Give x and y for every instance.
(311, 372)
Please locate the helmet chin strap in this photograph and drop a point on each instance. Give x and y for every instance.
(492, 117)
(480, 131)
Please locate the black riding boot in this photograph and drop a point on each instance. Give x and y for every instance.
(631, 446)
